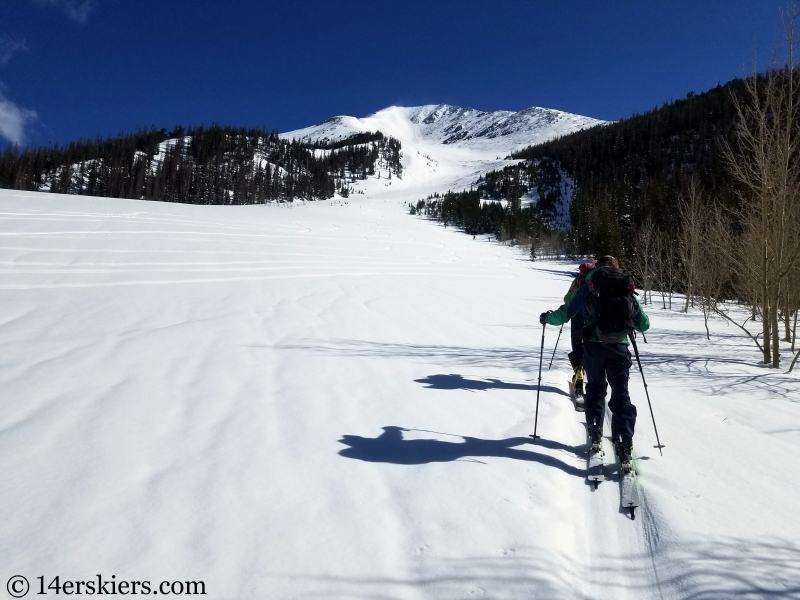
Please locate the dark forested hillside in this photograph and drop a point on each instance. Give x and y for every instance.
(514, 181)
(508, 222)
(626, 171)
(199, 165)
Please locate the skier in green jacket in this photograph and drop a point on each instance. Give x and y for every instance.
(611, 311)
(576, 336)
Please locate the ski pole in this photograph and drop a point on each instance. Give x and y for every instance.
(539, 386)
(554, 349)
(632, 336)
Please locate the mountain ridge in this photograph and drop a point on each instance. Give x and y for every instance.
(444, 146)
(451, 124)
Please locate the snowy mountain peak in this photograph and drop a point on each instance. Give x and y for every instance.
(448, 147)
(455, 124)
(431, 113)
(449, 124)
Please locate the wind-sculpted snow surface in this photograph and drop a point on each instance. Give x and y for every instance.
(333, 400)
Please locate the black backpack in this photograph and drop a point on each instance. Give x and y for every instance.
(610, 306)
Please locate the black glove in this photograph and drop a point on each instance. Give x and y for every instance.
(543, 317)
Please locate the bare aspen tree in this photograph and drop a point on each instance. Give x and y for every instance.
(793, 302)
(665, 265)
(766, 163)
(659, 267)
(714, 275)
(642, 263)
(730, 249)
(691, 210)
(670, 263)
(786, 309)
(794, 307)
(794, 360)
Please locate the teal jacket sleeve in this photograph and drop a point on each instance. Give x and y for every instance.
(569, 309)
(642, 322)
(559, 316)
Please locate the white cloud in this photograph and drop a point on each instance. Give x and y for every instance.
(8, 47)
(76, 9)
(13, 120)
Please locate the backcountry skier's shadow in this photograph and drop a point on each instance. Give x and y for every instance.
(390, 447)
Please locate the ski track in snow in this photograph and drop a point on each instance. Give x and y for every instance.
(334, 400)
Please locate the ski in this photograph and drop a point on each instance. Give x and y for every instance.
(594, 468)
(629, 491)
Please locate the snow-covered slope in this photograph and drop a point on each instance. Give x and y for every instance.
(333, 400)
(448, 147)
(446, 124)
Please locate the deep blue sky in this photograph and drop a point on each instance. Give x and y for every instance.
(98, 67)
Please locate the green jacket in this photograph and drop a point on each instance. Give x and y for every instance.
(574, 303)
(573, 288)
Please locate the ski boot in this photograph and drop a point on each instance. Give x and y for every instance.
(624, 451)
(577, 381)
(596, 437)
(576, 390)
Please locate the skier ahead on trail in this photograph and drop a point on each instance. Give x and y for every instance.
(576, 329)
(610, 311)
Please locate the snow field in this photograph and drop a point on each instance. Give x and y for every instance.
(333, 401)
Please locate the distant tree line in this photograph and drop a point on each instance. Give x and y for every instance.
(357, 138)
(513, 182)
(496, 206)
(507, 221)
(201, 165)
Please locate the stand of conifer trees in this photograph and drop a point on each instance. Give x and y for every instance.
(638, 168)
(199, 165)
(470, 211)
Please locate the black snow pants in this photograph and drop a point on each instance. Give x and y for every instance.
(576, 337)
(609, 364)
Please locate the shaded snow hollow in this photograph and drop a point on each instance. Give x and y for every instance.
(333, 400)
